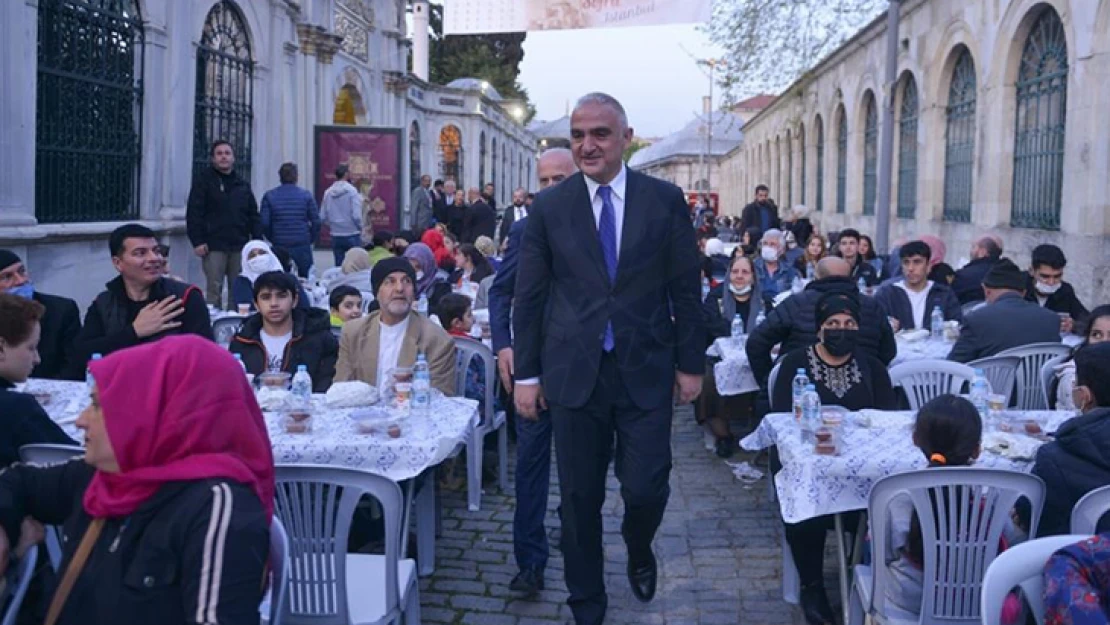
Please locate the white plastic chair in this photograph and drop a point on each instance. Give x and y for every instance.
(327, 585)
(330, 274)
(924, 380)
(1089, 510)
(17, 585)
(1001, 373)
(279, 574)
(47, 453)
(1048, 373)
(972, 507)
(1021, 565)
(225, 328)
(771, 379)
(1030, 389)
(491, 420)
(971, 307)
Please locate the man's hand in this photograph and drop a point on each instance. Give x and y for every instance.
(1067, 324)
(201, 250)
(158, 317)
(31, 533)
(687, 387)
(529, 400)
(894, 324)
(505, 368)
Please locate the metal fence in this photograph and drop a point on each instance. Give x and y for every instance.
(907, 151)
(959, 144)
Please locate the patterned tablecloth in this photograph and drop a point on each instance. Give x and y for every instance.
(733, 373)
(425, 441)
(921, 349)
(811, 485)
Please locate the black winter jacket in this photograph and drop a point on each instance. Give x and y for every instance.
(222, 212)
(793, 323)
(1076, 463)
(1062, 301)
(968, 284)
(193, 553)
(896, 303)
(24, 423)
(60, 327)
(312, 345)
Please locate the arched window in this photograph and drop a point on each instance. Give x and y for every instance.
(451, 152)
(493, 164)
(802, 152)
(820, 194)
(841, 158)
(907, 150)
(88, 124)
(789, 171)
(1042, 93)
(224, 92)
(959, 140)
(870, 154)
(504, 168)
(414, 155)
(482, 159)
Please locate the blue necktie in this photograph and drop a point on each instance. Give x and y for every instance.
(607, 235)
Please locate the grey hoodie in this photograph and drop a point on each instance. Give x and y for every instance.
(342, 209)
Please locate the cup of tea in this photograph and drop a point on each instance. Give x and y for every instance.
(996, 403)
(244, 309)
(402, 386)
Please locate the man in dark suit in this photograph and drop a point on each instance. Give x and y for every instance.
(968, 284)
(762, 213)
(608, 330)
(1007, 321)
(479, 219)
(441, 204)
(61, 323)
(514, 213)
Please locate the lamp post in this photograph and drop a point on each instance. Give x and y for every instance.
(707, 109)
(886, 155)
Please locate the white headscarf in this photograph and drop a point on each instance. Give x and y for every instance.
(272, 263)
(714, 247)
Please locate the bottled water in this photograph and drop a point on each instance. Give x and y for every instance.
(302, 387)
(811, 411)
(937, 323)
(422, 305)
(737, 329)
(759, 318)
(862, 285)
(798, 388)
(421, 384)
(704, 288)
(90, 383)
(809, 271)
(980, 391)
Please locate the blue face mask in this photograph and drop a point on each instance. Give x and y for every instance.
(25, 290)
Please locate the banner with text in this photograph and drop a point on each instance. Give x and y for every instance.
(373, 159)
(470, 17)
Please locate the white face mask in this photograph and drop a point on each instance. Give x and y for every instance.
(259, 264)
(1047, 289)
(740, 290)
(769, 253)
(419, 276)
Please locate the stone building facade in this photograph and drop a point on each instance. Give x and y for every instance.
(999, 127)
(117, 140)
(687, 157)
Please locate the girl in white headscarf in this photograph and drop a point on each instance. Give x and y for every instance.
(257, 258)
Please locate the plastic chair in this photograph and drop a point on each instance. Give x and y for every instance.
(279, 574)
(971, 307)
(771, 495)
(1021, 565)
(1030, 389)
(972, 507)
(771, 379)
(331, 274)
(17, 585)
(47, 453)
(1048, 373)
(1089, 510)
(1001, 373)
(327, 585)
(491, 420)
(225, 328)
(924, 380)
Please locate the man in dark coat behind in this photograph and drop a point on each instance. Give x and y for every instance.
(479, 220)
(61, 323)
(1046, 287)
(968, 284)
(762, 213)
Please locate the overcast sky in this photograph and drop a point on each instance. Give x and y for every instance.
(646, 68)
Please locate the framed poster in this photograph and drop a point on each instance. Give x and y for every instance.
(373, 157)
(467, 17)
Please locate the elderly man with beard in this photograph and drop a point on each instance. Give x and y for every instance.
(393, 335)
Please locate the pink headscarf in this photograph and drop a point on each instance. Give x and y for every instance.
(177, 410)
(936, 247)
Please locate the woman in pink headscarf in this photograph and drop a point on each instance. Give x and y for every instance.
(166, 517)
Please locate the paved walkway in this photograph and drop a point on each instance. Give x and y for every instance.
(718, 549)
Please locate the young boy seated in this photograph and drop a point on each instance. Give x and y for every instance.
(346, 304)
(281, 336)
(457, 318)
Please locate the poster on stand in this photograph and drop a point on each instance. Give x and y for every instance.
(373, 159)
(471, 17)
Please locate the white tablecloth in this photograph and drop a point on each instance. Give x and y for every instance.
(810, 485)
(920, 350)
(733, 373)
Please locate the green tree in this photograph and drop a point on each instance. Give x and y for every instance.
(633, 147)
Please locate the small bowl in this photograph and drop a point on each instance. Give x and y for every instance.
(833, 415)
(297, 422)
(374, 420)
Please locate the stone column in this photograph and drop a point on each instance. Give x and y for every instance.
(18, 63)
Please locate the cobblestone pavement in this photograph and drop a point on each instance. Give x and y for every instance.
(718, 549)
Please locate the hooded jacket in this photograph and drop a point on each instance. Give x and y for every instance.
(794, 324)
(222, 212)
(1076, 463)
(312, 345)
(342, 209)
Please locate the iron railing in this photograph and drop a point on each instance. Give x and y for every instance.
(841, 161)
(89, 103)
(907, 151)
(959, 150)
(870, 156)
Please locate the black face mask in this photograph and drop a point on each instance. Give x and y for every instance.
(840, 343)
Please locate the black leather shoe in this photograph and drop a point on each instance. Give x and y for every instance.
(725, 447)
(642, 576)
(815, 606)
(528, 582)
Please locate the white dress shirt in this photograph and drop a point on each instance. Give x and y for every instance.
(389, 349)
(519, 212)
(917, 302)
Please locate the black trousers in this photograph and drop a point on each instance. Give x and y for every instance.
(584, 446)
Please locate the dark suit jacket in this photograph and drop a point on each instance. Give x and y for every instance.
(60, 326)
(750, 217)
(439, 207)
(968, 284)
(502, 289)
(564, 298)
(479, 220)
(1009, 322)
(508, 218)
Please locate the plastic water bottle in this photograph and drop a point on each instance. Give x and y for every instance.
(302, 387)
(704, 288)
(90, 383)
(421, 384)
(737, 329)
(980, 390)
(811, 411)
(937, 323)
(760, 318)
(422, 305)
(809, 271)
(798, 389)
(862, 285)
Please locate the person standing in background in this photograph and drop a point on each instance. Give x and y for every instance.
(421, 199)
(60, 322)
(342, 212)
(291, 219)
(514, 213)
(762, 213)
(479, 219)
(221, 216)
